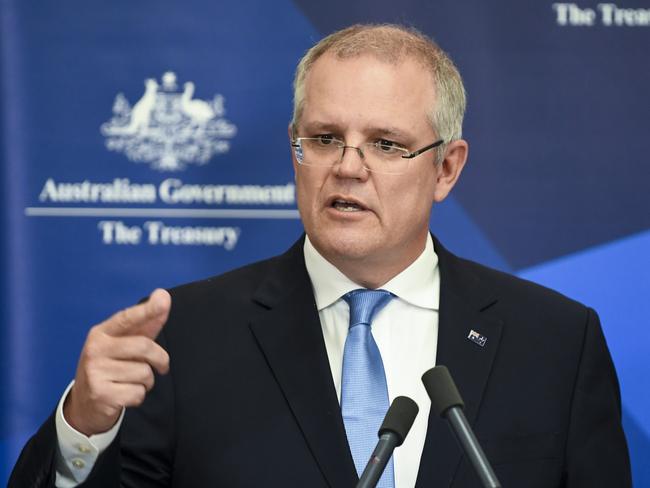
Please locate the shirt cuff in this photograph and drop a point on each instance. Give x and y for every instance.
(77, 452)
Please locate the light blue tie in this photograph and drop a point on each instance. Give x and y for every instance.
(364, 394)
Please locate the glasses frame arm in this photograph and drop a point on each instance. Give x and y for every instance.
(411, 155)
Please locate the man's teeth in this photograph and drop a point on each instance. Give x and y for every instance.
(346, 206)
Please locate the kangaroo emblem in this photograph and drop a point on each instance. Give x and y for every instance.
(168, 128)
(141, 111)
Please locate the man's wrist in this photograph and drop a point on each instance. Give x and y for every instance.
(77, 451)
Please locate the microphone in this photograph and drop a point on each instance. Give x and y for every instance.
(393, 430)
(446, 402)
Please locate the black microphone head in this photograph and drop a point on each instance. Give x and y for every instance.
(399, 418)
(441, 389)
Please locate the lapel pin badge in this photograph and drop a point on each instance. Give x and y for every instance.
(477, 338)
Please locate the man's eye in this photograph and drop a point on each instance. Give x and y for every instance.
(325, 139)
(387, 146)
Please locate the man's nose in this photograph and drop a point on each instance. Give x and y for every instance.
(352, 163)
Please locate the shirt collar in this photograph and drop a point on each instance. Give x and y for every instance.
(418, 284)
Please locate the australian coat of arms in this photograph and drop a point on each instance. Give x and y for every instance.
(167, 127)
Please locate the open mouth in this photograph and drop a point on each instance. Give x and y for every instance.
(347, 206)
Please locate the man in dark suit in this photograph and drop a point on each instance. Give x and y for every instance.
(253, 393)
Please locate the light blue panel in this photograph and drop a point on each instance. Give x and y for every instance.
(615, 279)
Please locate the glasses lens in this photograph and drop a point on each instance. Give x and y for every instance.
(385, 158)
(318, 151)
(376, 156)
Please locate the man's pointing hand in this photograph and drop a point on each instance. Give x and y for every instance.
(116, 365)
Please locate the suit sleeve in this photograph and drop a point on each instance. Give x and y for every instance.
(35, 465)
(596, 453)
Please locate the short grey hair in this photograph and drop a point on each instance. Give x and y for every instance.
(392, 43)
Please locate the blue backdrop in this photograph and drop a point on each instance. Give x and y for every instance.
(144, 144)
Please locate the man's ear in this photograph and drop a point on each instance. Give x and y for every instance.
(448, 171)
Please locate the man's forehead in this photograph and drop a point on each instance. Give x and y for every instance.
(365, 95)
(371, 74)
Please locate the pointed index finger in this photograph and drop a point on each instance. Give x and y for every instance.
(146, 318)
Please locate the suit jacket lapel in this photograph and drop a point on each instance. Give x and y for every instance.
(290, 336)
(464, 306)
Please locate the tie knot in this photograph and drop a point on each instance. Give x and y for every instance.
(365, 304)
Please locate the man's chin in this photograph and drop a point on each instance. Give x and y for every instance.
(344, 246)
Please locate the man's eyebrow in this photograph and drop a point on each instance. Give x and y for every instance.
(387, 131)
(322, 126)
(370, 130)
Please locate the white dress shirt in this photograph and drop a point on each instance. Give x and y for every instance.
(406, 333)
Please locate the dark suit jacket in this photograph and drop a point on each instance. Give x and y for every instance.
(250, 400)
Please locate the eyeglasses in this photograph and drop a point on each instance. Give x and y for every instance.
(382, 156)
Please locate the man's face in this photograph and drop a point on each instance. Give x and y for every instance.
(361, 100)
